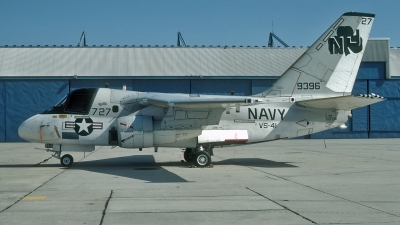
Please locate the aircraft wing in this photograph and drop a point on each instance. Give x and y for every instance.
(342, 102)
(191, 111)
(188, 101)
(196, 103)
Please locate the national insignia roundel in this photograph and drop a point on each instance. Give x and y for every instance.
(83, 126)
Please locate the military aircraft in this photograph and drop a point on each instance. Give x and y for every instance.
(313, 95)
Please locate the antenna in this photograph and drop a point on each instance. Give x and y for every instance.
(272, 35)
(181, 42)
(83, 36)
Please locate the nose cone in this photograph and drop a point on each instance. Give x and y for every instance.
(30, 128)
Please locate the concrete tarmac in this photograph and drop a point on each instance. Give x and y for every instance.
(281, 182)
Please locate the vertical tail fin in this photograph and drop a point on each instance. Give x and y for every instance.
(330, 66)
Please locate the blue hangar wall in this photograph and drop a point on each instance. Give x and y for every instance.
(21, 98)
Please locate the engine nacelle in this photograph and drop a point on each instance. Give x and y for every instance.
(135, 131)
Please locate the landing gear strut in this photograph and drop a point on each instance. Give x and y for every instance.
(188, 155)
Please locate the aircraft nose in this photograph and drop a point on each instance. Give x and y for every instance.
(29, 129)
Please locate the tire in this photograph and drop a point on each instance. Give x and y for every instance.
(187, 155)
(202, 159)
(67, 160)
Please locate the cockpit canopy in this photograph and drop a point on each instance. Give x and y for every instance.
(76, 102)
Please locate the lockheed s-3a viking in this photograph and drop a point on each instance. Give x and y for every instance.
(312, 95)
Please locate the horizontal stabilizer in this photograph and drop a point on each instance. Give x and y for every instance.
(343, 102)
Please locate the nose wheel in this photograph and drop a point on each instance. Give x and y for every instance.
(67, 160)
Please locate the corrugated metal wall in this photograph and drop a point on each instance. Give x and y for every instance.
(394, 67)
(149, 61)
(95, 83)
(2, 112)
(377, 50)
(385, 122)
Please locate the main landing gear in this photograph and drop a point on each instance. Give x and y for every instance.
(201, 157)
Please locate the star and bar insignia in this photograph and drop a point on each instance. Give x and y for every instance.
(83, 126)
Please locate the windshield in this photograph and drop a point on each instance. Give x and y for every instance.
(57, 108)
(61, 102)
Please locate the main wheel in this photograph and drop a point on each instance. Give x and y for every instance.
(202, 159)
(67, 160)
(187, 155)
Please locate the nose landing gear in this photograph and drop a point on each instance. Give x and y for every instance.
(67, 160)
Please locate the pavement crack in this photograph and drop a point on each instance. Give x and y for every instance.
(105, 207)
(336, 196)
(281, 205)
(37, 164)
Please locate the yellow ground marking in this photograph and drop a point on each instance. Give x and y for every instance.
(62, 116)
(34, 198)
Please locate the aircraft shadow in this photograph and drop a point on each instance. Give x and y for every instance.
(254, 162)
(144, 167)
(141, 167)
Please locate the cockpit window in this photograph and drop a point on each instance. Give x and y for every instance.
(76, 102)
(79, 101)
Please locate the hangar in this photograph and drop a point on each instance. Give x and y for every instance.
(33, 78)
